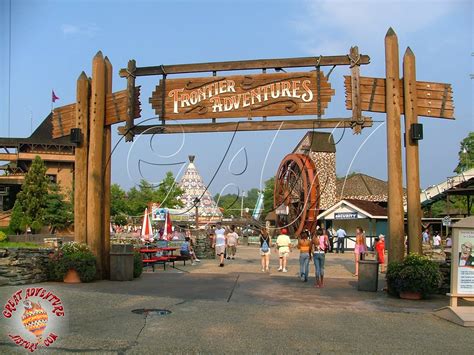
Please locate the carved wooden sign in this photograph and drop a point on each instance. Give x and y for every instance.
(261, 95)
(433, 99)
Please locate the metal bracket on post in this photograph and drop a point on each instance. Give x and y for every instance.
(318, 84)
(163, 97)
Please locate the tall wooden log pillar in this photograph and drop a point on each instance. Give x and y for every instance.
(80, 166)
(107, 164)
(396, 248)
(411, 151)
(95, 172)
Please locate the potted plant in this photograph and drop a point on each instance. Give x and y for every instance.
(414, 278)
(73, 263)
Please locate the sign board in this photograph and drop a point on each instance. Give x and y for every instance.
(157, 213)
(282, 210)
(257, 95)
(345, 215)
(446, 221)
(465, 264)
(432, 99)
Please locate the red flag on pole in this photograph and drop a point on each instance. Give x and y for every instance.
(53, 96)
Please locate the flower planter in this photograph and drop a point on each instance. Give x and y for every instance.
(72, 277)
(408, 295)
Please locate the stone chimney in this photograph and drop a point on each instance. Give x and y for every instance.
(321, 149)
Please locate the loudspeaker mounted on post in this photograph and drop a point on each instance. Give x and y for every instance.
(76, 136)
(416, 131)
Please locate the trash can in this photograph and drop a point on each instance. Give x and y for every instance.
(121, 262)
(368, 275)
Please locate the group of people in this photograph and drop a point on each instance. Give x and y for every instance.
(313, 248)
(435, 240)
(224, 241)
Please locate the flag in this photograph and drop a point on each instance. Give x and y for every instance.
(53, 96)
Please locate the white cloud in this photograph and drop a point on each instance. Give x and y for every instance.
(89, 30)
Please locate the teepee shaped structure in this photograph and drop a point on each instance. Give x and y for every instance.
(194, 187)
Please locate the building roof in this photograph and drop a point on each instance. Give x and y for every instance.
(360, 186)
(361, 209)
(317, 142)
(42, 135)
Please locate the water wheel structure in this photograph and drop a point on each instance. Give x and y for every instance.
(297, 194)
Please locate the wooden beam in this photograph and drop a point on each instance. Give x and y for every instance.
(245, 65)
(396, 249)
(8, 157)
(95, 172)
(107, 164)
(412, 162)
(243, 126)
(46, 157)
(130, 71)
(80, 167)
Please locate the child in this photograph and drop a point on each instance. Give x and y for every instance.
(380, 248)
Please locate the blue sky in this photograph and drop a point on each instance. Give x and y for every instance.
(53, 41)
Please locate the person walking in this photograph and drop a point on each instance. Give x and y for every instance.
(341, 234)
(304, 246)
(232, 241)
(265, 251)
(380, 249)
(318, 246)
(426, 236)
(360, 247)
(283, 243)
(220, 243)
(437, 241)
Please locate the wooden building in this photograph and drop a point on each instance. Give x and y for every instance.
(17, 154)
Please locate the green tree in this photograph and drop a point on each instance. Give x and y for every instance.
(17, 219)
(33, 195)
(466, 154)
(230, 204)
(118, 201)
(268, 193)
(168, 192)
(58, 212)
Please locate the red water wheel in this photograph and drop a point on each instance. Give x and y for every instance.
(297, 194)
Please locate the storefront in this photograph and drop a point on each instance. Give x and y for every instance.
(349, 214)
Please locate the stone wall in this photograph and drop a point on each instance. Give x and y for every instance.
(20, 266)
(202, 245)
(326, 169)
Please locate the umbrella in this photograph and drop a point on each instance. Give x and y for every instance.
(146, 232)
(168, 228)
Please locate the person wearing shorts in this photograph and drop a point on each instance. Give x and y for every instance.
(220, 243)
(232, 241)
(283, 243)
(265, 254)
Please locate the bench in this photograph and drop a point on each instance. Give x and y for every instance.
(158, 260)
(182, 258)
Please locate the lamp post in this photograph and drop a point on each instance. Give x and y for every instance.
(196, 203)
(242, 205)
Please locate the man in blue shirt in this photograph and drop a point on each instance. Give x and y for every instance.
(426, 237)
(341, 234)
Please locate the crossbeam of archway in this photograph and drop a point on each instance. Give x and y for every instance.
(242, 126)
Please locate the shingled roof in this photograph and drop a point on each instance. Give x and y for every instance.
(42, 135)
(369, 207)
(317, 142)
(362, 187)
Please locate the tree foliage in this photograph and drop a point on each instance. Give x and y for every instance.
(58, 212)
(466, 154)
(268, 195)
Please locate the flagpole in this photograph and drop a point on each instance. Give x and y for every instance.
(52, 101)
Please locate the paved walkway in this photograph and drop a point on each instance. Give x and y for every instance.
(239, 309)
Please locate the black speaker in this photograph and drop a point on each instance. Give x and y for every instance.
(416, 131)
(76, 135)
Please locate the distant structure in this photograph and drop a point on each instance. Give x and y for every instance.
(320, 147)
(17, 155)
(194, 188)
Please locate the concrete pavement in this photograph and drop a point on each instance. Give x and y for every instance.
(239, 309)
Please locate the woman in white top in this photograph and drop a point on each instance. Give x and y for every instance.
(220, 243)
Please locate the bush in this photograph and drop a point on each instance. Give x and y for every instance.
(137, 264)
(75, 256)
(416, 273)
(36, 227)
(3, 237)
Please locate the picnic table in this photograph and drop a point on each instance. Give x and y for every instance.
(150, 257)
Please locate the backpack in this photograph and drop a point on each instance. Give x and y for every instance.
(265, 247)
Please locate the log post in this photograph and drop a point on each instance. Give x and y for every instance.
(107, 165)
(394, 149)
(131, 67)
(95, 172)
(80, 165)
(411, 151)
